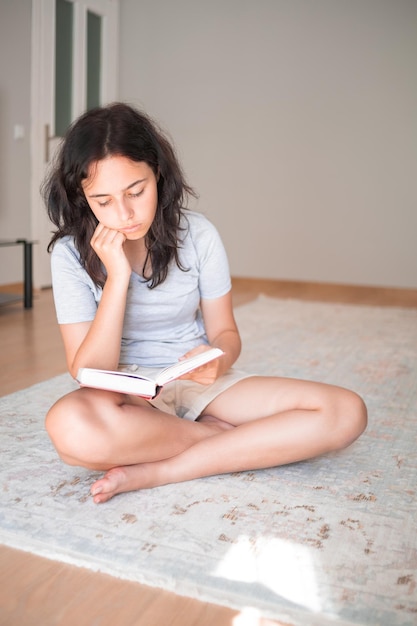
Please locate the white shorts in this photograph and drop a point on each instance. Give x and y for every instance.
(188, 399)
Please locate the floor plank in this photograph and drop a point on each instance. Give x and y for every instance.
(34, 590)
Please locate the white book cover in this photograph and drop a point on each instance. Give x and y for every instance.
(135, 384)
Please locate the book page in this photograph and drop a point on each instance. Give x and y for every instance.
(183, 367)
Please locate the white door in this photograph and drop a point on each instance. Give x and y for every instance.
(74, 68)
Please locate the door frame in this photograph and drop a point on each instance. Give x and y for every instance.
(42, 99)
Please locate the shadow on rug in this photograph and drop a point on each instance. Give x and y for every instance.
(325, 541)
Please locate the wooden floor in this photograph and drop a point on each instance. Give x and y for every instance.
(37, 591)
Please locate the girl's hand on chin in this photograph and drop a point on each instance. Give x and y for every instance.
(108, 245)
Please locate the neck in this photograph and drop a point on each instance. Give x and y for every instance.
(136, 253)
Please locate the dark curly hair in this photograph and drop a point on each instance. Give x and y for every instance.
(116, 130)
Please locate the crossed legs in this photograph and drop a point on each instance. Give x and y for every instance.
(259, 422)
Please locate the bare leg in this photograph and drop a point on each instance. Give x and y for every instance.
(300, 420)
(101, 430)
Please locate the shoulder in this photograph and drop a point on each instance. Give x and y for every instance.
(65, 257)
(65, 248)
(197, 221)
(75, 294)
(198, 227)
(203, 248)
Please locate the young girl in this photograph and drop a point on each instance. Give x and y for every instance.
(140, 282)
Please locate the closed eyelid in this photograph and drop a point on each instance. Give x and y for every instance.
(128, 189)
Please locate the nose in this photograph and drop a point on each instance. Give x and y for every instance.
(124, 211)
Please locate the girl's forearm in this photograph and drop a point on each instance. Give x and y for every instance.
(101, 346)
(228, 341)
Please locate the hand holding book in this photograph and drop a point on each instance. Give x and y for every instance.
(206, 373)
(135, 384)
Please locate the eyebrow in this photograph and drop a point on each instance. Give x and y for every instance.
(102, 195)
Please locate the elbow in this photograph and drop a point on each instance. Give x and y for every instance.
(73, 369)
(238, 347)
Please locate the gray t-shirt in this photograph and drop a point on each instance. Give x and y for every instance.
(160, 324)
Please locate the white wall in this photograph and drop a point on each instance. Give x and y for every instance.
(294, 119)
(296, 122)
(15, 42)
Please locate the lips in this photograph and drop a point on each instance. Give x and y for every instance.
(131, 229)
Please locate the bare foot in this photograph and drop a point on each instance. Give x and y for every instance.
(122, 479)
(145, 475)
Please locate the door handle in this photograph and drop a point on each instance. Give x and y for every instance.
(48, 139)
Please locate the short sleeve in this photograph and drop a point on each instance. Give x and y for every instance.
(214, 272)
(76, 296)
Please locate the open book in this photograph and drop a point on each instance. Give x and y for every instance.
(129, 382)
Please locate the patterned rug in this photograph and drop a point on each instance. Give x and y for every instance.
(329, 541)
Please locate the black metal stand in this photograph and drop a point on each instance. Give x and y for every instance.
(27, 271)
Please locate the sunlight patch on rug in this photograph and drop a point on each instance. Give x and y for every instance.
(284, 567)
(332, 540)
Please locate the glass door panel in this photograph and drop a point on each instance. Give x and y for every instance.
(94, 28)
(64, 27)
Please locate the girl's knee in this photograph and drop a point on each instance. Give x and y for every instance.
(359, 413)
(353, 418)
(54, 420)
(60, 424)
(68, 424)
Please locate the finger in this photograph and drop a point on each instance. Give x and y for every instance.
(97, 232)
(104, 236)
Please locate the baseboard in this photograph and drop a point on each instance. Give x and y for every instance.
(12, 288)
(327, 292)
